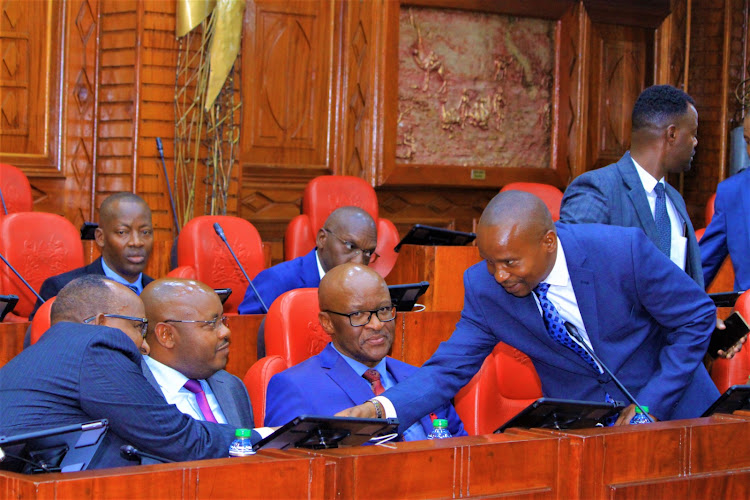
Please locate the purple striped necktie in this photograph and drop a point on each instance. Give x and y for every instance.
(195, 387)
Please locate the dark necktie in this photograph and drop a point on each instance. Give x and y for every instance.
(134, 288)
(373, 377)
(661, 217)
(556, 325)
(195, 387)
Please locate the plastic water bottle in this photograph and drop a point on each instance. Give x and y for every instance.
(640, 417)
(242, 446)
(439, 429)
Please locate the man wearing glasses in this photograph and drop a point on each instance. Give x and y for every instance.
(356, 311)
(82, 372)
(189, 343)
(348, 235)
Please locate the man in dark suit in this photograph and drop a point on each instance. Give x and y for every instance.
(348, 235)
(189, 343)
(645, 318)
(729, 230)
(631, 192)
(87, 366)
(125, 238)
(356, 311)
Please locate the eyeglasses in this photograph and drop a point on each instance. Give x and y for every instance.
(370, 255)
(361, 318)
(213, 322)
(140, 323)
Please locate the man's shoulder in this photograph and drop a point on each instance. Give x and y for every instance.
(734, 184)
(611, 175)
(290, 267)
(60, 280)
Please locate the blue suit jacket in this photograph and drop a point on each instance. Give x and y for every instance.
(614, 195)
(325, 384)
(77, 373)
(301, 272)
(648, 322)
(729, 231)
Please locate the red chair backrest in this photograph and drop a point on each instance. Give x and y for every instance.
(325, 194)
(506, 384)
(709, 211)
(256, 380)
(41, 321)
(16, 190)
(201, 248)
(292, 329)
(550, 195)
(38, 245)
(728, 372)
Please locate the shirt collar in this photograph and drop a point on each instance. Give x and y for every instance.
(169, 379)
(109, 273)
(360, 368)
(321, 272)
(559, 276)
(647, 180)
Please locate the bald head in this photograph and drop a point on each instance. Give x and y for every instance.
(344, 281)
(172, 298)
(109, 209)
(520, 209)
(348, 235)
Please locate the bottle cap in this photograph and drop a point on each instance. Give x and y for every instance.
(244, 433)
(638, 410)
(440, 423)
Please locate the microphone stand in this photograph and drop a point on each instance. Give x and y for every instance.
(21, 277)
(220, 232)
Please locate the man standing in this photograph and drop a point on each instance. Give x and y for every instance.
(633, 192)
(356, 311)
(189, 343)
(645, 318)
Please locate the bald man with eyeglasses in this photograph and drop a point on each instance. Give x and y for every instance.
(356, 311)
(189, 347)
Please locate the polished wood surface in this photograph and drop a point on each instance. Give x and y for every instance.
(11, 340)
(418, 334)
(243, 349)
(442, 266)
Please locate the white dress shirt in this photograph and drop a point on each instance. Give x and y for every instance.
(321, 271)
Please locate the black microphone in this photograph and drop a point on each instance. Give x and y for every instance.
(220, 232)
(160, 149)
(573, 331)
(21, 277)
(133, 454)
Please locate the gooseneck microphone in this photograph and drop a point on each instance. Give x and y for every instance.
(573, 331)
(21, 277)
(2, 200)
(220, 232)
(160, 149)
(132, 453)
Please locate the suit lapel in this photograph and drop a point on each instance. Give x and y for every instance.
(637, 196)
(225, 399)
(310, 274)
(150, 376)
(355, 387)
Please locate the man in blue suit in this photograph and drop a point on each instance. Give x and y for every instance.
(189, 343)
(633, 192)
(645, 318)
(87, 366)
(729, 230)
(356, 311)
(348, 235)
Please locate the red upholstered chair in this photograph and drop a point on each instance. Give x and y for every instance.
(38, 245)
(325, 194)
(16, 190)
(709, 212)
(550, 195)
(728, 372)
(41, 321)
(506, 384)
(256, 380)
(292, 329)
(200, 248)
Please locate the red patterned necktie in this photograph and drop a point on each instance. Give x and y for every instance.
(195, 387)
(373, 377)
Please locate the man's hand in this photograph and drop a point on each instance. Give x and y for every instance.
(627, 414)
(365, 410)
(729, 353)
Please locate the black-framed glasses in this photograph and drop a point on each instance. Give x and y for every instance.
(352, 248)
(213, 322)
(361, 318)
(141, 323)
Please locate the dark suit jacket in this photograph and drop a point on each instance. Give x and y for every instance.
(301, 272)
(326, 384)
(77, 373)
(729, 231)
(614, 195)
(648, 322)
(230, 392)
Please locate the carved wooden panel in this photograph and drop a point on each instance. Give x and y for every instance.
(30, 54)
(286, 88)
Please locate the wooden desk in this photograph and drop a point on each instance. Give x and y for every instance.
(11, 340)
(443, 267)
(418, 334)
(243, 349)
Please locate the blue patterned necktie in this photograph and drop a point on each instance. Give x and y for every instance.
(661, 217)
(556, 325)
(134, 288)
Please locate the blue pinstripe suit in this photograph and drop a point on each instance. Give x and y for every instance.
(78, 373)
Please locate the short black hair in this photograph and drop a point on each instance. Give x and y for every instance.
(106, 209)
(82, 298)
(658, 105)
